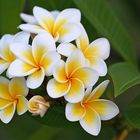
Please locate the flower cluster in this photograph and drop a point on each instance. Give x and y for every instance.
(55, 45)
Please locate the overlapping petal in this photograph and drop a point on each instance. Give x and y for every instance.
(105, 108)
(17, 86)
(76, 91)
(56, 89)
(74, 112)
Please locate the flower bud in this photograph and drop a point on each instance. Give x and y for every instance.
(38, 105)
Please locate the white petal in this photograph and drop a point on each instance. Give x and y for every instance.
(42, 43)
(55, 13)
(56, 90)
(49, 61)
(19, 69)
(74, 112)
(36, 79)
(99, 65)
(22, 37)
(8, 113)
(69, 32)
(69, 15)
(28, 18)
(91, 122)
(76, 92)
(23, 52)
(66, 49)
(44, 18)
(105, 108)
(98, 91)
(32, 28)
(3, 66)
(87, 75)
(103, 46)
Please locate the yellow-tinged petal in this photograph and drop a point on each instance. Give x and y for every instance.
(4, 91)
(76, 92)
(8, 113)
(56, 89)
(105, 108)
(69, 32)
(75, 61)
(21, 105)
(99, 65)
(44, 18)
(36, 79)
(70, 15)
(82, 41)
(42, 43)
(98, 91)
(101, 47)
(91, 122)
(49, 61)
(4, 103)
(32, 28)
(19, 68)
(59, 72)
(23, 52)
(87, 75)
(3, 65)
(66, 49)
(17, 86)
(74, 112)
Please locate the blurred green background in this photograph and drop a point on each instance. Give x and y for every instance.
(119, 21)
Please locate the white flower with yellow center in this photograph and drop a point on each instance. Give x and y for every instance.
(6, 56)
(95, 52)
(62, 26)
(34, 61)
(38, 105)
(12, 98)
(71, 78)
(91, 110)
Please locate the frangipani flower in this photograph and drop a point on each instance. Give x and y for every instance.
(71, 78)
(62, 26)
(12, 97)
(91, 110)
(6, 56)
(38, 105)
(95, 52)
(34, 61)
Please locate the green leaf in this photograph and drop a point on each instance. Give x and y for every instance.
(124, 76)
(132, 113)
(9, 15)
(56, 117)
(102, 17)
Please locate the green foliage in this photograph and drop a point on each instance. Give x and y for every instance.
(56, 117)
(9, 15)
(124, 76)
(132, 113)
(101, 16)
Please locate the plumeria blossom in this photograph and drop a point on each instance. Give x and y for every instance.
(95, 52)
(62, 26)
(12, 98)
(91, 110)
(38, 105)
(6, 56)
(34, 61)
(71, 78)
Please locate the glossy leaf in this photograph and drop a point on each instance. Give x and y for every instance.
(124, 76)
(132, 113)
(102, 17)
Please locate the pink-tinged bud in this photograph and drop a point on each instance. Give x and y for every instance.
(37, 105)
